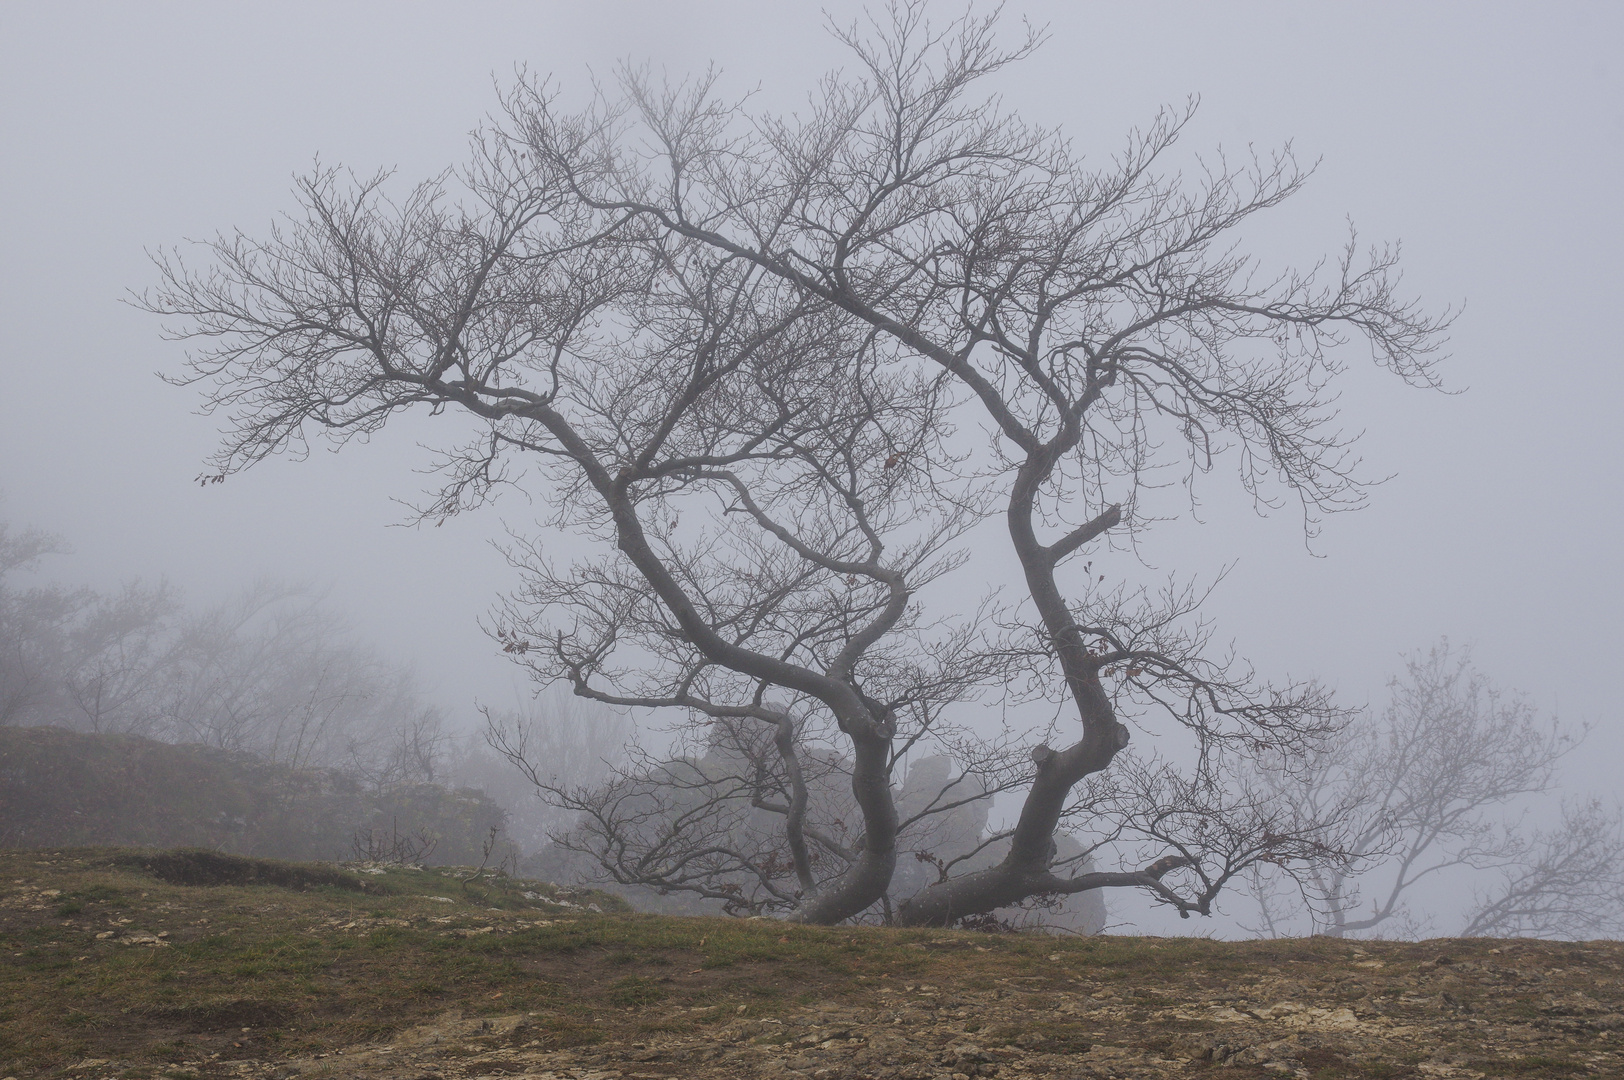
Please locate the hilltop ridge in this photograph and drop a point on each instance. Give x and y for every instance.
(117, 968)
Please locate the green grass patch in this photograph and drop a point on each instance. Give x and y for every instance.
(634, 992)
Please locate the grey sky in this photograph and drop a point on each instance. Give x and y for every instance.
(1489, 138)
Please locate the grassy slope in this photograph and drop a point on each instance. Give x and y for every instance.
(105, 962)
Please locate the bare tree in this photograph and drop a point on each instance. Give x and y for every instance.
(754, 817)
(1094, 316)
(1568, 881)
(274, 672)
(392, 847)
(734, 349)
(35, 624)
(1426, 789)
(740, 821)
(121, 654)
(76, 657)
(556, 740)
(735, 450)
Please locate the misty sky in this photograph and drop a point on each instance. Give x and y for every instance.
(1489, 138)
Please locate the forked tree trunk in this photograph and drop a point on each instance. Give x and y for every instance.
(1024, 872)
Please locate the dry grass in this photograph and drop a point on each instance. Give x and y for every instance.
(104, 960)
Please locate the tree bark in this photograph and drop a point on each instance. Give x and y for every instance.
(1024, 871)
(864, 884)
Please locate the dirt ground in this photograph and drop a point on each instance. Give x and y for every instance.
(110, 971)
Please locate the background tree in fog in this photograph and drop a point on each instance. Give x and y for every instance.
(35, 624)
(751, 356)
(260, 726)
(273, 672)
(559, 740)
(1436, 791)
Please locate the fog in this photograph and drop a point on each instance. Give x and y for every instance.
(1488, 138)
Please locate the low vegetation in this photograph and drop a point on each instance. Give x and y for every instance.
(193, 965)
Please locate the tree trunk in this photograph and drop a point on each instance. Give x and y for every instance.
(864, 884)
(1025, 870)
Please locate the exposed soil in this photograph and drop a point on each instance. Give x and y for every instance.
(108, 971)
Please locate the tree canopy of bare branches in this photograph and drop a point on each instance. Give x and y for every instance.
(746, 354)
